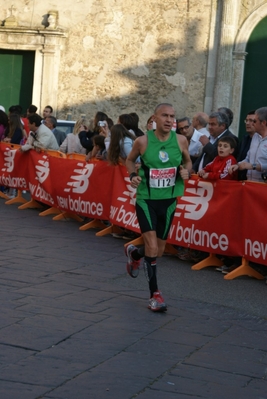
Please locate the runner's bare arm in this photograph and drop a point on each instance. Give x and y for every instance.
(139, 147)
(183, 144)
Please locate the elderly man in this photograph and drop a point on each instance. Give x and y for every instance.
(40, 136)
(218, 127)
(200, 121)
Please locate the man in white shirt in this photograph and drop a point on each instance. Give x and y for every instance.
(200, 121)
(40, 137)
(185, 127)
(256, 159)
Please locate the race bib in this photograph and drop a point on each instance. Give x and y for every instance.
(162, 178)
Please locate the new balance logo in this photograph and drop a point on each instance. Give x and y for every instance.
(129, 193)
(80, 181)
(9, 160)
(42, 169)
(196, 202)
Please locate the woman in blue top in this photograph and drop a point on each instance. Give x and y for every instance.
(15, 130)
(121, 143)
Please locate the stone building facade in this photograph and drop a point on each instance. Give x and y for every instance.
(122, 56)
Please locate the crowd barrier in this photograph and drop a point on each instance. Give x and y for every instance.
(220, 217)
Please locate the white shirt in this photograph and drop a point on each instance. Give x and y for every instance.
(195, 145)
(205, 131)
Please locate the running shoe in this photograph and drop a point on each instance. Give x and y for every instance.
(132, 265)
(156, 303)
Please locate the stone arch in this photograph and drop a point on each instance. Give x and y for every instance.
(239, 57)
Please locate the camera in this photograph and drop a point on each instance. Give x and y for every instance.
(101, 123)
(264, 176)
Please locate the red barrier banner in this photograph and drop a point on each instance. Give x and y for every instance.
(253, 239)
(222, 217)
(13, 168)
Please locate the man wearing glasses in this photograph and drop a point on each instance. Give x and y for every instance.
(246, 142)
(256, 158)
(185, 127)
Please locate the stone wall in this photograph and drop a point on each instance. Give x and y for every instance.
(128, 55)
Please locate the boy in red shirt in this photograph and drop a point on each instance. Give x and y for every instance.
(218, 168)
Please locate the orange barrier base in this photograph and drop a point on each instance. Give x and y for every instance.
(211, 260)
(31, 204)
(244, 270)
(94, 224)
(50, 211)
(107, 230)
(169, 249)
(66, 215)
(135, 242)
(18, 199)
(2, 195)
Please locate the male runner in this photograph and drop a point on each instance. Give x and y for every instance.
(165, 163)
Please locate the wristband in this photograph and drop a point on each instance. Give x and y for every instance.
(132, 175)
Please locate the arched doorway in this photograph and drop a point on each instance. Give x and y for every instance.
(254, 82)
(42, 48)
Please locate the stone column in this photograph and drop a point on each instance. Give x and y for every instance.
(239, 58)
(223, 84)
(51, 60)
(214, 40)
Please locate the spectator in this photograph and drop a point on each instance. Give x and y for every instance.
(99, 149)
(48, 110)
(40, 137)
(185, 127)
(121, 143)
(31, 110)
(228, 112)
(218, 168)
(51, 123)
(127, 121)
(256, 159)
(87, 135)
(15, 130)
(149, 124)
(218, 127)
(138, 132)
(246, 142)
(3, 123)
(72, 143)
(17, 109)
(200, 121)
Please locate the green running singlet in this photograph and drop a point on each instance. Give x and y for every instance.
(160, 169)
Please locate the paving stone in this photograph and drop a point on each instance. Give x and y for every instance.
(12, 354)
(74, 325)
(14, 390)
(235, 359)
(93, 385)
